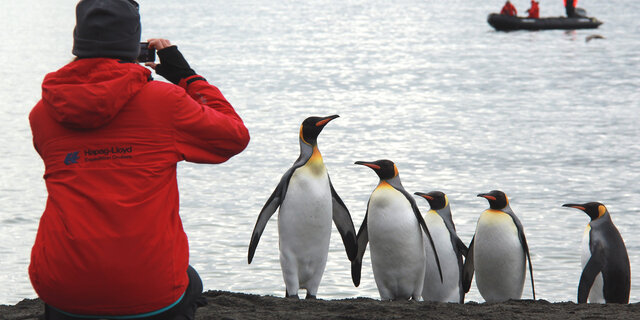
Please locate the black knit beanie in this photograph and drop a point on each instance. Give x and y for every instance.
(107, 28)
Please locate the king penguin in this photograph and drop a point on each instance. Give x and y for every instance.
(606, 274)
(308, 202)
(450, 247)
(497, 252)
(393, 225)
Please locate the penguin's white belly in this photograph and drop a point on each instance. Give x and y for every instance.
(396, 247)
(304, 226)
(596, 294)
(447, 290)
(499, 259)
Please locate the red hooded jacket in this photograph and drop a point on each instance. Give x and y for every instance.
(110, 241)
(509, 9)
(534, 11)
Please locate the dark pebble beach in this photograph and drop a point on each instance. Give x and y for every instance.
(232, 305)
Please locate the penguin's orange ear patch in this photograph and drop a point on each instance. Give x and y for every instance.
(601, 210)
(302, 136)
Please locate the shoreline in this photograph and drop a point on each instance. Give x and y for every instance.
(234, 305)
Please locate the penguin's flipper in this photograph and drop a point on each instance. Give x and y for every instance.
(362, 240)
(272, 204)
(525, 248)
(416, 211)
(461, 250)
(342, 220)
(468, 269)
(533, 287)
(589, 273)
(267, 211)
(461, 247)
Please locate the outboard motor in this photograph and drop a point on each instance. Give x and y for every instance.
(580, 12)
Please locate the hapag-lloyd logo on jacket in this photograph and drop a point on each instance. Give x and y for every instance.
(71, 158)
(98, 154)
(107, 151)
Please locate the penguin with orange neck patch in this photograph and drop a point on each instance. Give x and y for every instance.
(450, 247)
(497, 252)
(308, 203)
(606, 274)
(394, 227)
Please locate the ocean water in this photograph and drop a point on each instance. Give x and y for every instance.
(544, 116)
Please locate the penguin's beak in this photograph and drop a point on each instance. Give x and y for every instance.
(368, 164)
(573, 205)
(583, 207)
(424, 195)
(323, 122)
(487, 196)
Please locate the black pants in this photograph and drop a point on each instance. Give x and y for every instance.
(184, 310)
(571, 10)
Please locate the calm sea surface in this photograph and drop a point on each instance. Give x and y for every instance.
(544, 116)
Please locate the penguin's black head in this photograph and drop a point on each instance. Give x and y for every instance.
(312, 126)
(497, 199)
(385, 169)
(595, 210)
(437, 199)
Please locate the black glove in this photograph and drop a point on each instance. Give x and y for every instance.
(173, 66)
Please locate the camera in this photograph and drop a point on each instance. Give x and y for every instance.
(146, 54)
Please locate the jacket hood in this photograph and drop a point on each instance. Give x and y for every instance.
(88, 93)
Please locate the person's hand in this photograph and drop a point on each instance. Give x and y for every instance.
(172, 66)
(158, 44)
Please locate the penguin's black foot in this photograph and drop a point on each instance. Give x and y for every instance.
(310, 296)
(293, 296)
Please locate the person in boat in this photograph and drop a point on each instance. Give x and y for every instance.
(534, 11)
(570, 7)
(509, 9)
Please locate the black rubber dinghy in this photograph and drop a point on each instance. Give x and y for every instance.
(509, 23)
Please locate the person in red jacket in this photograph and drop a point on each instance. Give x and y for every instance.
(110, 242)
(534, 11)
(509, 9)
(570, 8)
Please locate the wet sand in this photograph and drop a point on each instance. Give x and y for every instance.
(230, 305)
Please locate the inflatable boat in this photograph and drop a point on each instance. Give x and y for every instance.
(509, 23)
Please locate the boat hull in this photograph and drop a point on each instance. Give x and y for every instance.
(502, 22)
